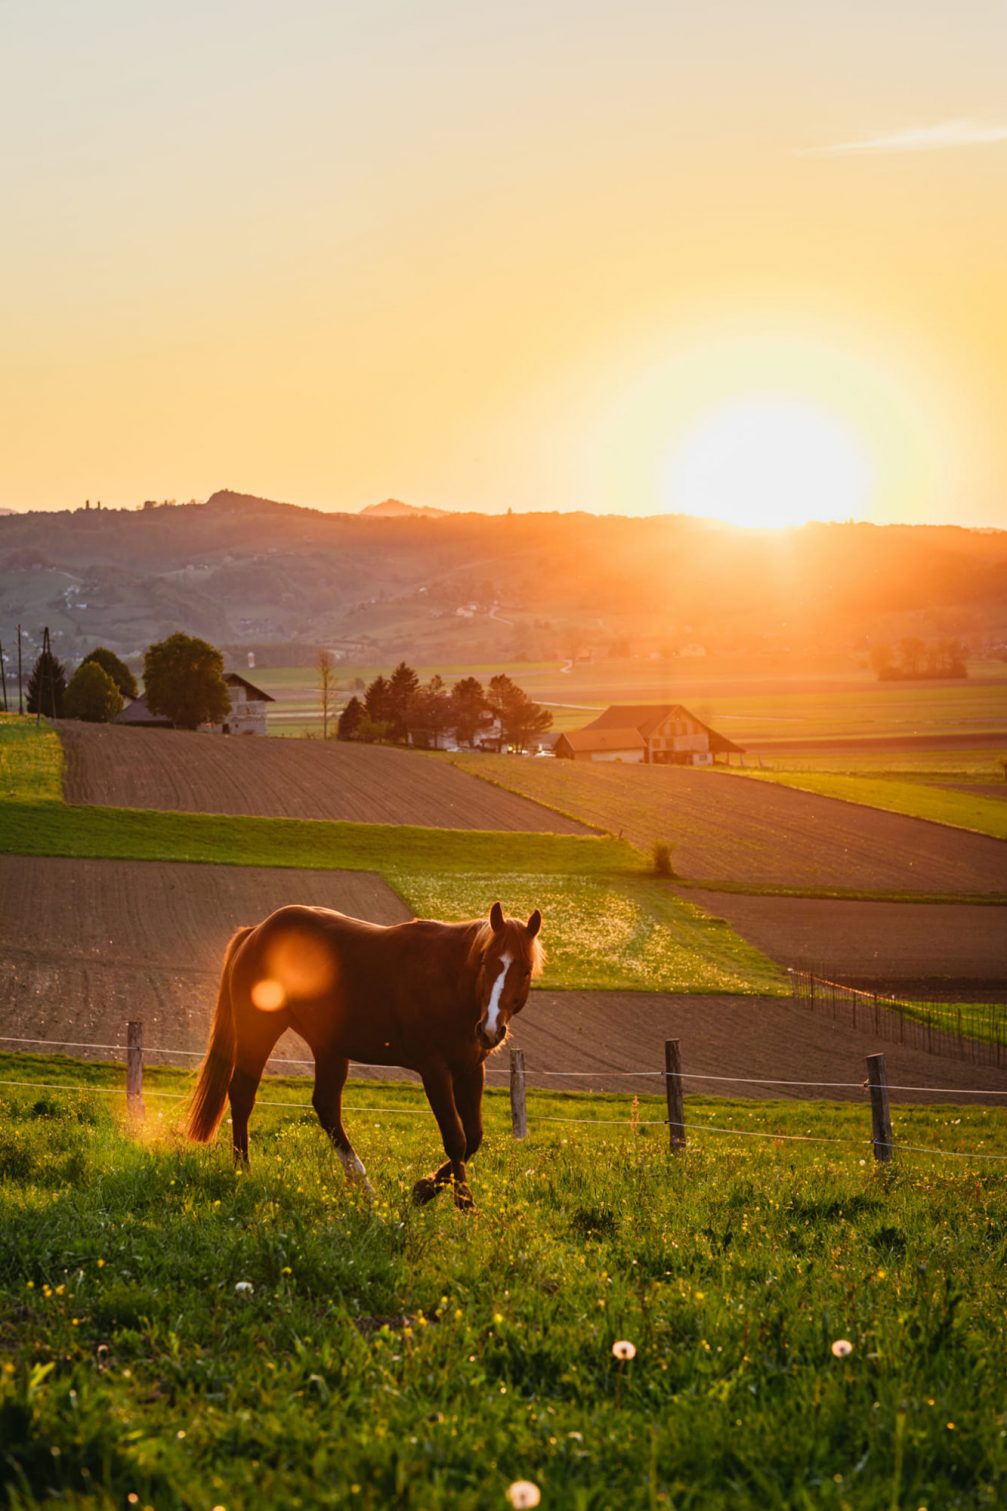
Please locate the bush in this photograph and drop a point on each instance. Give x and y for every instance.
(662, 858)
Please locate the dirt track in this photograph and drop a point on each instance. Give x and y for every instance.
(921, 945)
(728, 828)
(90, 944)
(370, 784)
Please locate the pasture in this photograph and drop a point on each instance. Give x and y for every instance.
(178, 1335)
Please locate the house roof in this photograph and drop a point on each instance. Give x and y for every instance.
(234, 679)
(645, 717)
(603, 739)
(137, 712)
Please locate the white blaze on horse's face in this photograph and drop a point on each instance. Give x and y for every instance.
(491, 1026)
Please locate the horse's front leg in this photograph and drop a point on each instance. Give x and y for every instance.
(437, 1083)
(467, 1085)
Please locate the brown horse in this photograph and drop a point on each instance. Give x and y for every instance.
(436, 998)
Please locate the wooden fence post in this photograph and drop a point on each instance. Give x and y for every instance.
(881, 1117)
(673, 1092)
(518, 1105)
(134, 1069)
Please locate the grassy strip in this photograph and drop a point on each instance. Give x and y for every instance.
(938, 805)
(193, 1337)
(315, 844)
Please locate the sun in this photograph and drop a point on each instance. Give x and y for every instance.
(768, 461)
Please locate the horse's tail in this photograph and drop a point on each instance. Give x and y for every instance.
(207, 1106)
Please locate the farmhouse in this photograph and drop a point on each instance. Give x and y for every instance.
(248, 708)
(664, 734)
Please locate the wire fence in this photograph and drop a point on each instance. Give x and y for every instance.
(976, 1032)
(672, 1081)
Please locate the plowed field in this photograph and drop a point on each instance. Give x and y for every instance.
(725, 828)
(898, 944)
(370, 784)
(90, 944)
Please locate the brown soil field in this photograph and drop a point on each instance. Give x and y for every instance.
(727, 829)
(370, 784)
(90, 944)
(925, 948)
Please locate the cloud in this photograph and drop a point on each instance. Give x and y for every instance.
(960, 133)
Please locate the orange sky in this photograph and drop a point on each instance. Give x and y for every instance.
(504, 255)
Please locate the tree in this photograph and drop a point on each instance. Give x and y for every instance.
(429, 711)
(349, 720)
(520, 718)
(92, 695)
(880, 657)
(372, 731)
(403, 684)
(46, 686)
(116, 669)
(184, 680)
(376, 700)
(324, 666)
(469, 710)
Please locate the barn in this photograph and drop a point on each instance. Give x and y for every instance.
(664, 734)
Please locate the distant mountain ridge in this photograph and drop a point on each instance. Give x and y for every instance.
(393, 508)
(249, 572)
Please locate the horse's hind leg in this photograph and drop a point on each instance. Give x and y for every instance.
(253, 1051)
(327, 1099)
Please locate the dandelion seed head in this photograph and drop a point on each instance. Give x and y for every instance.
(523, 1494)
(624, 1349)
(244, 1288)
(842, 1347)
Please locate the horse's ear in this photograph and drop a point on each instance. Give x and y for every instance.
(534, 924)
(496, 918)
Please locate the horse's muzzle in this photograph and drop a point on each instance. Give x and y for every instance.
(490, 1041)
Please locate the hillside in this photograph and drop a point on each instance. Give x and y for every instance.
(251, 572)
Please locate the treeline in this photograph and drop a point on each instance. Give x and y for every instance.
(913, 659)
(400, 709)
(94, 692)
(183, 681)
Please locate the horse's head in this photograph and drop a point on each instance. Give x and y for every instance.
(509, 955)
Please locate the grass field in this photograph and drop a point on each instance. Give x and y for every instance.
(916, 799)
(176, 1335)
(630, 931)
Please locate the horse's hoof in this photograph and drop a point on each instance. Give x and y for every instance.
(424, 1190)
(463, 1199)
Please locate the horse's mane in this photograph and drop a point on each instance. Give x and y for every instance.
(483, 938)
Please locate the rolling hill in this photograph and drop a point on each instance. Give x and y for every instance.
(248, 572)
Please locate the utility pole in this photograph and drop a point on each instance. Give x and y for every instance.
(20, 701)
(3, 677)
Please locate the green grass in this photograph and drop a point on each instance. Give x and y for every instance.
(939, 805)
(428, 1358)
(638, 936)
(31, 761)
(612, 926)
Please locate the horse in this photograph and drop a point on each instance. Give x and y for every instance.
(436, 998)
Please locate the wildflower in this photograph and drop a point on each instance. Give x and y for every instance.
(842, 1347)
(523, 1493)
(244, 1288)
(624, 1349)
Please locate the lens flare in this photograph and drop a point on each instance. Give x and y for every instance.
(268, 995)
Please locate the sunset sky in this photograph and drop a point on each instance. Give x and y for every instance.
(622, 257)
